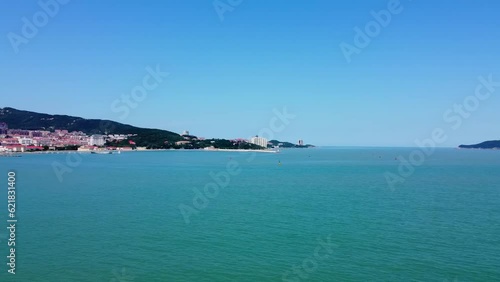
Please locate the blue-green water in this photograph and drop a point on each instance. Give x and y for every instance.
(327, 212)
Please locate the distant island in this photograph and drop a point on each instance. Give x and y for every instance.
(494, 144)
(30, 131)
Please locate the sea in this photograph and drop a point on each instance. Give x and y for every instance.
(318, 214)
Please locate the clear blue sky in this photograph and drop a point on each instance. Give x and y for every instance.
(227, 76)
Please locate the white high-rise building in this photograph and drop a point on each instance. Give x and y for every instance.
(259, 141)
(97, 140)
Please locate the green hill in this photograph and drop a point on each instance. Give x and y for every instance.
(494, 144)
(19, 119)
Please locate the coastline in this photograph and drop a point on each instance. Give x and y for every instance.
(148, 150)
(238, 150)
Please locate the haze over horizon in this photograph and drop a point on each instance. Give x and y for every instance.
(225, 77)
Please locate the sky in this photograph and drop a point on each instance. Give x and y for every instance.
(407, 69)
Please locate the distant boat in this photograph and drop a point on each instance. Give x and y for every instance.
(101, 152)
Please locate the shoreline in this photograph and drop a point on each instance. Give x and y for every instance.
(238, 150)
(8, 154)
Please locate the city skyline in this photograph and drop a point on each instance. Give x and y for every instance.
(348, 81)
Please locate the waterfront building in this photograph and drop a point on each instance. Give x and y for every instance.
(259, 141)
(97, 140)
(25, 141)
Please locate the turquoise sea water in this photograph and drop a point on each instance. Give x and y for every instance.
(324, 214)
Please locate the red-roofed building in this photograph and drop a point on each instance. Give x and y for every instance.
(9, 141)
